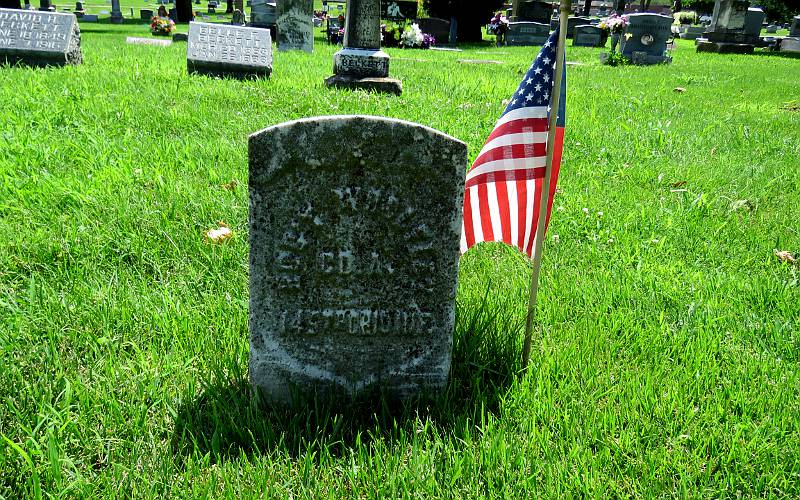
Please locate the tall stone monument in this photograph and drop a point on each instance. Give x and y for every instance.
(361, 63)
(116, 12)
(727, 33)
(353, 256)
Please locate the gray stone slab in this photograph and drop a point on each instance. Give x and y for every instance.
(263, 14)
(587, 35)
(226, 50)
(37, 38)
(295, 25)
(790, 44)
(527, 34)
(353, 256)
(794, 29)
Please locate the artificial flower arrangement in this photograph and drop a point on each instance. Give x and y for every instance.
(161, 26)
(498, 25)
(414, 37)
(614, 23)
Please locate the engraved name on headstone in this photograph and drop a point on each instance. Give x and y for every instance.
(295, 28)
(39, 38)
(227, 50)
(353, 255)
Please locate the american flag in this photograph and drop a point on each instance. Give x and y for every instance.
(504, 185)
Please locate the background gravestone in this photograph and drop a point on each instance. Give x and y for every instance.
(37, 38)
(438, 28)
(794, 29)
(227, 50)
(295, 25)
(527, 34)
(573, 21)
(726, 33)
(648, 38)
(587, 35)
(263, 14)
(353, 255)
(532, 10)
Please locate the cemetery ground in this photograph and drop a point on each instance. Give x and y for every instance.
(667, 351)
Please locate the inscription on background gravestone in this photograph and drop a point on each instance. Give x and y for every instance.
(39, 38)
(527, 34)
(227, 50)
(353, 255)
(295, 26)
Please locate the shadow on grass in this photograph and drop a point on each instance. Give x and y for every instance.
(786, 55)
(225, 421)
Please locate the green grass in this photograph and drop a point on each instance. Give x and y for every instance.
(667, 354)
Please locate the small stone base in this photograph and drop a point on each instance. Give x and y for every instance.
(724, 48)
(386, 85)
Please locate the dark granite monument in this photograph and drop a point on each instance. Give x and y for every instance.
(295, 26)
(438, 28)
(527, 34)
(361, 63)
(226, 50)
(532, 10)
(353, 256)
(36, 38)
(645, 38)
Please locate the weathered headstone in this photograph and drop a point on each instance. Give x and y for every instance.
(794, 29)
(295, 28)
(146, 14)
(353, 256)
(361, 63)
(772, 28)
(39, 38)
(226, 50)
(645, 38)
(692, 33)
(726, 33)
(438, 28)
(527, 33)
(587, 35)
(790, 44)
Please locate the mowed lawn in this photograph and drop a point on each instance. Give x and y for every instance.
(666, 355)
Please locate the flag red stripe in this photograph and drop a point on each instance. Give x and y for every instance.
(469, 230)
(486, 220)
(522, 202)
(520, 174)
(505, 214)
(519, 126)
(512, 151)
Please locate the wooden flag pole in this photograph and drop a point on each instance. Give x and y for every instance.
(548, 172)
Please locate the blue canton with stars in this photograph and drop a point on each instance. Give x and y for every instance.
(537, 85)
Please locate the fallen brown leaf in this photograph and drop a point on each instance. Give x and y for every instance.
(679, 89)
(218, 235)
(785, 256)
(230, 186)
(678, 184)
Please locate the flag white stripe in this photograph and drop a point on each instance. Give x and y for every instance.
(494, 211)
(476, 214)
(511, 188)
(511, 139)
(522, 113)
(507, 164)
(531, 185)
